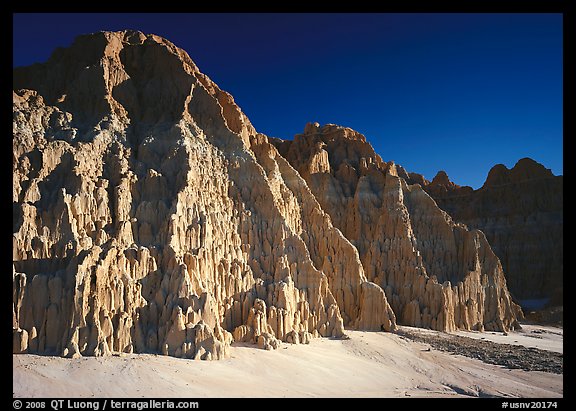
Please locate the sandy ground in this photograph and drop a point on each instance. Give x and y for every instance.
(369, 364)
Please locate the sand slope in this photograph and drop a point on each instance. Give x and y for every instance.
(369, 364)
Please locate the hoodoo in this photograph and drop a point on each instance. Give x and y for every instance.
(436, 273)
(149, 216)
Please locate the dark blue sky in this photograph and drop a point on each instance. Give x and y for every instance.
(458, 92)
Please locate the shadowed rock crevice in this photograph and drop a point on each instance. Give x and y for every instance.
(521, 212)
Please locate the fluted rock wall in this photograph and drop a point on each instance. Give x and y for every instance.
(149, 216)
(436, 273)
(521, 212)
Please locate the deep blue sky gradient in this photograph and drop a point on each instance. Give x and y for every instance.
(458, 92)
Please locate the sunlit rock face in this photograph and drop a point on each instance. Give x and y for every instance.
(150, 216)
(435, 272)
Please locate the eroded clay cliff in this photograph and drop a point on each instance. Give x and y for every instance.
(150, 216)
(435, 272)
(521, 212)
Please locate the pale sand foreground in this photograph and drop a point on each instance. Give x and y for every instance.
(369, 364)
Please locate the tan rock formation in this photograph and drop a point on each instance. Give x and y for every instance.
(149, 216)
(521, 212)
(436, 273)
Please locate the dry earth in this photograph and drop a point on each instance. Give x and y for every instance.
(507, 351)
(369, 364)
